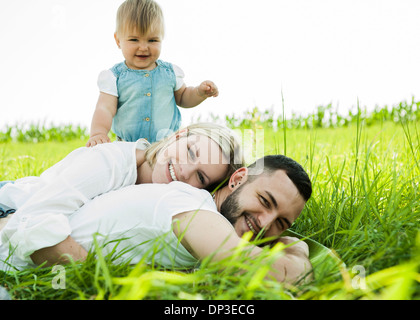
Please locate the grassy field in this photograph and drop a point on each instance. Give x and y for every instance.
(365, 206)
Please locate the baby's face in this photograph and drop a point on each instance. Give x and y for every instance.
(140, 50)
(196, 160)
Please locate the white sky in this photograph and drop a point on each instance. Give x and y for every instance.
(316, 51)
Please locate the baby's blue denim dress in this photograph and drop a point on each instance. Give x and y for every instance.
(146, 103)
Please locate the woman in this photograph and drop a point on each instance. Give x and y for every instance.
(202, 155)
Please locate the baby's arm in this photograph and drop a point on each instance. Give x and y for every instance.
(189, 97)
(106, 108)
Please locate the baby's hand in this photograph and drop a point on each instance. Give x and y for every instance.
(208, 89)
(97, 139)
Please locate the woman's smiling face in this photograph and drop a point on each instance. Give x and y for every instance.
(195, 159)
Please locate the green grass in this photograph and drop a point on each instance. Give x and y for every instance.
(366, 201)
(19, 160)
(365, 206)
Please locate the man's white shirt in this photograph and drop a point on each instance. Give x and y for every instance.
(135, 222)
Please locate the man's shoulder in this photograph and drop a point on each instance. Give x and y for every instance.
(183, 197)
(187, 188)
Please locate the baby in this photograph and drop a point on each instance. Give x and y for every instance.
(139, 96)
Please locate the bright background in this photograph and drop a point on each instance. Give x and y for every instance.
(316, 51)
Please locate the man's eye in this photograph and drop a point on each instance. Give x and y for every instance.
(281, 223)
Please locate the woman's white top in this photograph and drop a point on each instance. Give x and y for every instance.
(44, 203)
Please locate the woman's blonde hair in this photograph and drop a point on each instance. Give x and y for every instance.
(140, 15)
(225, 138)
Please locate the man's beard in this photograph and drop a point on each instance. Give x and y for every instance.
(232, 211)
(230, 208)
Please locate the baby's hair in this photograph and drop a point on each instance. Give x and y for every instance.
(225, 138)
(269, 164)
(142, 16)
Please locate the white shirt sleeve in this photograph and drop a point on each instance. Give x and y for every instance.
(107, 83)
(183, 198)
(42, 221)
(179, 75)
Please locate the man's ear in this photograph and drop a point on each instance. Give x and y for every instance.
(117, 40)
(238, 177)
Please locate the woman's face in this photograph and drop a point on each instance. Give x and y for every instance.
(196, 160)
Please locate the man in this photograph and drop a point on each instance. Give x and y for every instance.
(139, 216)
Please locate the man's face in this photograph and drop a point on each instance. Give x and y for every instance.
(270, 203)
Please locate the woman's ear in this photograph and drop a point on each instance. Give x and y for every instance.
(238, 177)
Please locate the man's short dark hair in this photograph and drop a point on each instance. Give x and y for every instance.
(294, 171)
